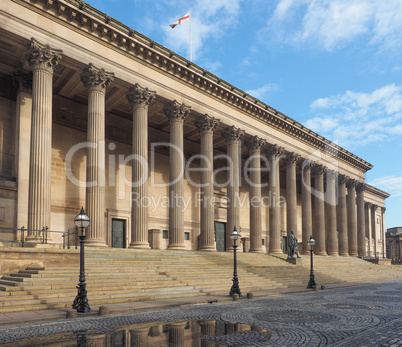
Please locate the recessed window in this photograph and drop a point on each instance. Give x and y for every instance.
(186, 236)
(263, 242)
(165, 234)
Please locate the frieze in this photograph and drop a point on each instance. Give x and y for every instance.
(140, 46)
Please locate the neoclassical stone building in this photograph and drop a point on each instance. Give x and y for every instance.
(160, 152)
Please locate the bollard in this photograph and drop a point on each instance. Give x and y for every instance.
(235, 297)
(315, 288)
(250, 296)
(103, 310)
(323, 287)
(71, 313)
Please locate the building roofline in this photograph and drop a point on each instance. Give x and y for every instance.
(94, 23)
(377, 191)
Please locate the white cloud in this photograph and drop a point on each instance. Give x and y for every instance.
(390, 184)
(263, 92)
(334, 23)
(356, 118)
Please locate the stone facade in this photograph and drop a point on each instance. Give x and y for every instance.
(158, 150)
(393, 238)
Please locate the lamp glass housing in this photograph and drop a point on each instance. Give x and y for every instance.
(82, 220)
(234, 235)
(311, 242)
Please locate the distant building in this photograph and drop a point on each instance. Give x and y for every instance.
(89, 105)
(393, 238)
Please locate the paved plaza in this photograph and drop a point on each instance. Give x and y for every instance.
(361, 315)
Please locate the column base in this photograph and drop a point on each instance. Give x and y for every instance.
(353, 254)
(95, 243)
(305, 253)
(258, 250)
(275, 251)
(33, 238)
(207, 249)
(333, 254)
(344, 254)
(321, 253)
(176, 247)
(139, 245)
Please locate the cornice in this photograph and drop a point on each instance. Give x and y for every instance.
(96, 24)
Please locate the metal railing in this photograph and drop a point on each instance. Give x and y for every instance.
(34, 236)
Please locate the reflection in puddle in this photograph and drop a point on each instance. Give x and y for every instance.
(206, 333)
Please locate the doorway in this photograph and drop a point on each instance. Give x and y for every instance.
(220, 238)
(118, 233)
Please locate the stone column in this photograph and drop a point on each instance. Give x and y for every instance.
(176, 114)
(383, 209)
(176, 334)
(332, 237)
(22, 144)
(233, 137)
(140, 98)
(291, 193)
(255, 144)
(367, 215)
(318, 171)
(374, 230)
(207, 125)
(342, 217)
(97, 81)
(207, 328)
(307, 215)
(274, 152)
(139, 337)
(44, 61)
(361, 227)
(352, 218)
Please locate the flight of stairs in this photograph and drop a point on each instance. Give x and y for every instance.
(115, 276)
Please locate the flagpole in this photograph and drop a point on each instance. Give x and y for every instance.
(191, 46)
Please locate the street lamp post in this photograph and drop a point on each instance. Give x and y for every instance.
(235, 235)
(311, 284)
(81, 301)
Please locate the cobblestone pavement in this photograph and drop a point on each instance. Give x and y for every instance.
(364, 315)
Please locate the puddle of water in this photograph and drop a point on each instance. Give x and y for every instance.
(192, 333)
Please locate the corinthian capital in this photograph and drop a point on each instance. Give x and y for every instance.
(94, 78)
(318, 170)
(41, 56)
(206, 123)
(176, 111)
(275, 150)
(351, 183)
(292, 158)
(360, 187)
(255, 144)
(342, 179)
(332, 174)
(139, 96)
(233, 134)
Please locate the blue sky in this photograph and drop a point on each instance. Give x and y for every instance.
(333, 65)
